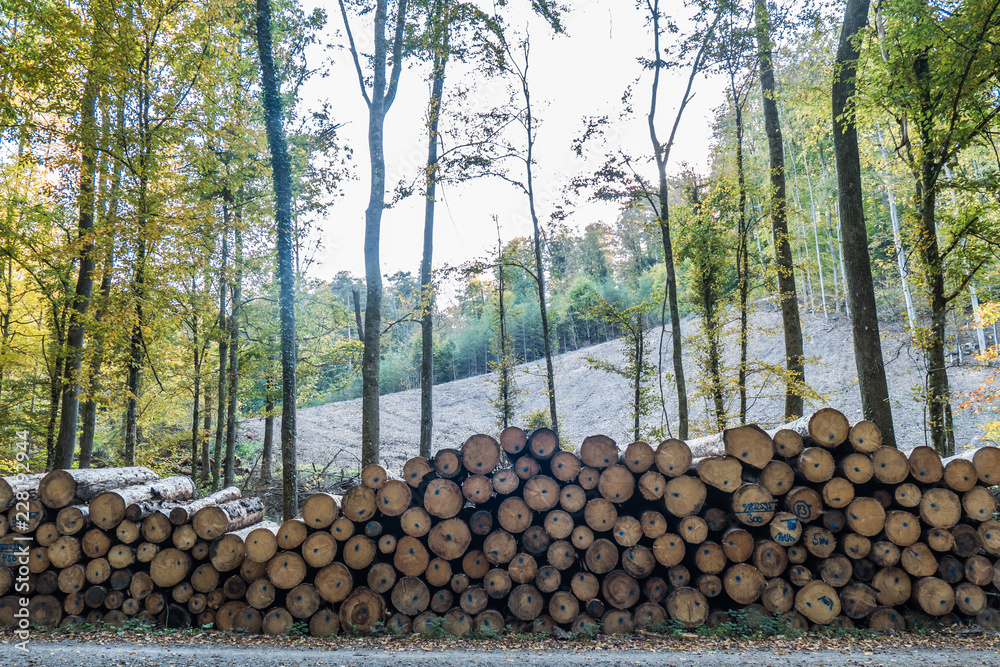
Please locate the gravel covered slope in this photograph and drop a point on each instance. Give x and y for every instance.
(592, 401)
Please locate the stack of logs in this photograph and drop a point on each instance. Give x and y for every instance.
(818, 523)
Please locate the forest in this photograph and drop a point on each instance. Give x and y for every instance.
(166, 173)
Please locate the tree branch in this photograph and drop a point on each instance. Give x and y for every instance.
(354, 54)
(397, 54)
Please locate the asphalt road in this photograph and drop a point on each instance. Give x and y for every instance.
(124, 654)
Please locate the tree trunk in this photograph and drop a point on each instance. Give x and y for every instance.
(637, 378)
(89, 417)
(89, 136)
(383, 93)
(136, 341)
(234, 358)
(939, 417)
(661, 155)
(56, 375)
(196, 403)
(864, 323)
(812, 208)
(206, 428)
(426, 288)
(183, 513)
(897, 239)
(370, 367)
(550, 376)
(356, 299)
(268, 447)
(807, 283)
(60, 488)
(281, 167)
(223, 347)
(742, 253)
(795, 361)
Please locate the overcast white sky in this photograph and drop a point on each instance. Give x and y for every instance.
(572, 76)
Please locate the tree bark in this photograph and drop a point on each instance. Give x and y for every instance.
(195, 404)
(283, 213)
(742, 250)
(268, 447)
(356, 300)
(661, 155)
(234, 357)
(89, 417)
(136, 340)
(383, 93)
(864, 323)
(60, 488)
(89, 135)
(206, 427)
(56, 375)
(795, 361)
(223, 347)
(426, 287)
(537, 240)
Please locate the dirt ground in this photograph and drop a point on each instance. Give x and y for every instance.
(101, 651)
(592, 401)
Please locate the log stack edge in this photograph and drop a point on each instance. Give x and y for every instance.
(816, 522)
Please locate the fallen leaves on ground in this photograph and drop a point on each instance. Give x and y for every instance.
(957, 639)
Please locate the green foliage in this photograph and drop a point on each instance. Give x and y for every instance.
(635, 367)
(742, 624)
(507, 399)
(434, 628)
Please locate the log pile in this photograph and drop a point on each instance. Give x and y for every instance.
(816, 522)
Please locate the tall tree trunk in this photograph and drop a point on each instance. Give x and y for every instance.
(939, 416)
(223, 348)
(742, 255)
(110, 220)
(282, 178)
(661, 155)
(234, 357)
(196, 403)
(136, 341)
(893, 217)
(135, 357)
(89, 415)
(807, 281)
(539, 273)
(707, 277)
(206, 428)
(89, 135)
(640, 351)
(505, 366)
(383, 93)
(812, 210)
(795, 361)
(267, 452)
(56, 377)
(426, 288)
(671, 297)
(864, 323)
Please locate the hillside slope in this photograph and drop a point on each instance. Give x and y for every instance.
(592, 401)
